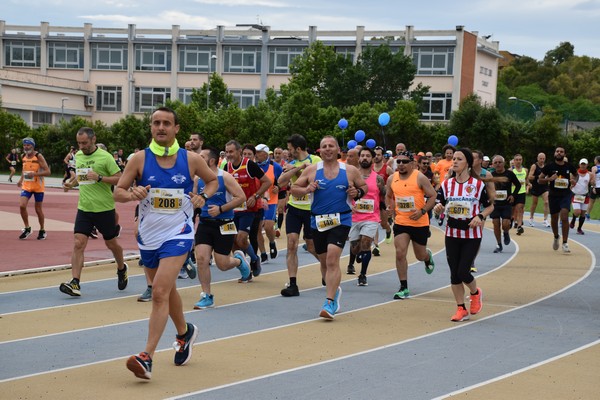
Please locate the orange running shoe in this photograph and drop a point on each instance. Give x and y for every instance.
(476, 302)
(461, 315)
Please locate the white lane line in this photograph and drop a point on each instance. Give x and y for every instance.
(519, 371)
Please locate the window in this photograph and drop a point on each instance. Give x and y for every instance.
(109, 98)
(246, 97)
(65, 55)
(22, 54)
(195, 58)
(185, 95)
(148, 98)
(40, 118)
(109, 56)
(347, 52)
(433, 60)
(280, 58)
(150, 57)
(242, 59)
(437, 107)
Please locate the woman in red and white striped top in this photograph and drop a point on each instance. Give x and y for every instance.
(464, 199)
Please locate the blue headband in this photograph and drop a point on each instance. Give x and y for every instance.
(29, 141)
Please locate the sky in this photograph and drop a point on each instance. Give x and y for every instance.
(524, 27)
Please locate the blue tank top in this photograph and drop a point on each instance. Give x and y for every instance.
(176, 177)
(220, 198)
(155, 228)
(331, 196)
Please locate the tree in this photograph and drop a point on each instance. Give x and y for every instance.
(388, 75)
(560, 54)
(219, 97)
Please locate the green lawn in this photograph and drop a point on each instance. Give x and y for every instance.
(540, 208)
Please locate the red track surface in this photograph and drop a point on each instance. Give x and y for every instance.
(59, 210)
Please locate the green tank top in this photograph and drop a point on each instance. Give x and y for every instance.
(522, 177)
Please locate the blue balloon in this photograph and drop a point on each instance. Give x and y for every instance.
(371, 143)
(384, 119)
(352, 144)
(359, 135)
(342, 123)
(452, 140)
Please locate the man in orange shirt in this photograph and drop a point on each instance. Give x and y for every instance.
(406, 191)
(35, 168)
(443, 166)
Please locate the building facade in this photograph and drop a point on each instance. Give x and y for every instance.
(48, 73)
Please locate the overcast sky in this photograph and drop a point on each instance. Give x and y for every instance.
(525, 27)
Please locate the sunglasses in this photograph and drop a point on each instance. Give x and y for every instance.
(403, 161)
(425, 163)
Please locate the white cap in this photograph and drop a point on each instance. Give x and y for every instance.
(262, 147)
(583, 161)
(486, 158)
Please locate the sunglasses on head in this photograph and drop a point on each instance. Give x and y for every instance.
(403, 161)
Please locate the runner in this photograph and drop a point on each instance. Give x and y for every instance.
(35, 168)
(12, 158)
(406, 191)
(538, 190)
(96, 172)
(216, 230)
(164, 174)
(333, 185)
(463, 195)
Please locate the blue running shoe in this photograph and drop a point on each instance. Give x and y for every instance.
(243, 267)
(336, 299)
(206, 301)
(328, 310)
(183, 346)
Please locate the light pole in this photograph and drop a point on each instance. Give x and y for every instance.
(62, 107)
(535, 109)
(210, 60)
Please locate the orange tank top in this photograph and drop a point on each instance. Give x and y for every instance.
(408, 197)
(34, 184)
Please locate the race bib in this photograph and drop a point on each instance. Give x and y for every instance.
(28, 176)
(72, 163)
(365, 206)
(166, 201)
(305, 200)
(579, 198)
(459, 209)
(13, 163)
(561, 183)
(228, 229)
(501, 195)
(241, 207)
(82, 178)
(326, 222)
(405, 204)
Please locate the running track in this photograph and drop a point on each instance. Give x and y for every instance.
(537, 336)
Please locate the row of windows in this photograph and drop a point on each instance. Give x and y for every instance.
(110, 98)
(436, 106)
(238, 59)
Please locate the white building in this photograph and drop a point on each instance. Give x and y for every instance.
(48, 72)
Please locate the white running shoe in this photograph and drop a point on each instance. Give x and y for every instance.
(531, 223)
(546, 223)
(565, 248)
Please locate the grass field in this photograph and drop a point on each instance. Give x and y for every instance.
(540, 208)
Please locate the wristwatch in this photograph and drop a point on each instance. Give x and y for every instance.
(423, 211)
(100, 178)
(204, 196)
